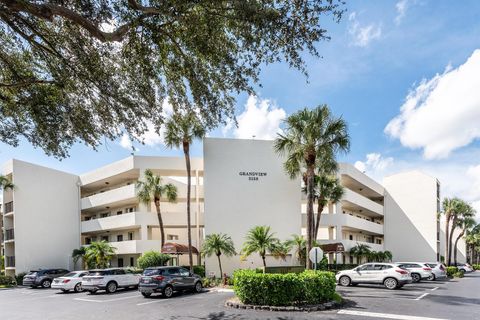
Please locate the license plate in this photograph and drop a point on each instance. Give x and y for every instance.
(56, 281)
(147, 280)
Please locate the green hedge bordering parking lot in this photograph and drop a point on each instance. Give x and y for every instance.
(308, 287)
(451, 271)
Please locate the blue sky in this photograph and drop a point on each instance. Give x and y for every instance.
(383, 56)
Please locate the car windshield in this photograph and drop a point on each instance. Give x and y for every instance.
(431, 265)
(152, 272)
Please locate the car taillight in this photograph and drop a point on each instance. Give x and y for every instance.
(427, 269)
(159, 278)
(401, 271)
(66, 281)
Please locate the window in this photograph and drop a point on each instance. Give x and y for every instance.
(119, 271)
(130, 236)
(366, 267)
(104, 215)
(132, 262)
(119, 212)
(173, 271)
(120, 263)
(172, 237)
(382, 267)
(87, 218)
(88, 241)
(378, 241)
(350, 237)
(129, 210)
(104, 238)
(184, 272)
(120, 238)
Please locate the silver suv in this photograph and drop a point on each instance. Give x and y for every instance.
(388, 274)
(43, 278)
(166, 280)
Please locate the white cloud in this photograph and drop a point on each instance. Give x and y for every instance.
(374, 164)
(441, 114)
(363, 34)
(402, 7)
(261, 118)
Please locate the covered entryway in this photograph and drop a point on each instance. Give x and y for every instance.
(176, 250)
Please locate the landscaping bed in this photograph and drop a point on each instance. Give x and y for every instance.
(236, 303)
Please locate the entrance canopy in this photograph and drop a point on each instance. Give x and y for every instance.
(178, 249)
(333, 247)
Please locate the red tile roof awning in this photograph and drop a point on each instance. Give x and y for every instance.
(177, 248)
(333, 247)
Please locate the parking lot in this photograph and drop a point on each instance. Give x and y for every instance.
(453, 299)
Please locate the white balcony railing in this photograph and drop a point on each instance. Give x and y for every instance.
(346, 220)
(353, 199)
(125, 193)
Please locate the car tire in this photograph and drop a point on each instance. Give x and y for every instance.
(33, 287)
(78, 287)
(416, 277)
(168, 292)
(390, 283)
(146, 294)
(111, 287)
(46, 284)
(345, 281)
(431, 278)
(198, 287)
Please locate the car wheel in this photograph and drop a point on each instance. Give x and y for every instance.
(345, 281)
(390, 283)
(198, 287)
(78, 287)
(111, 287)
(146, 294)
(168, 292)
(416, 277)
(431, 278)
(46, 284)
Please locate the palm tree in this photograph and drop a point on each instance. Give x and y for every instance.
(5, 183)
(328, 189)
(312, 138)
(99, 254)
(473, 240)
(218, 244)
(298, 242)
(450, 207)
(182, 130)
(281, 250)
(152, 190)
(78, 254)
(260, 239)
(465, 222)
(462, 210)
(360, 251)
(388, 255)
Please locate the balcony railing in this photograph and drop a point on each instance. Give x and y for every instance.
(9, 234)
(9, 262)
(8, 207)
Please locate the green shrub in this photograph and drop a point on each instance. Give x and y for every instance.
(309, 287)
(200, 270)
(476, 267)
(451, 271)
(6, 281)
(211, 282)
(19, 278)
(283, 269)
(458, 274)
(152, 259)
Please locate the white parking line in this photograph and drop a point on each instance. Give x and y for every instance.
(422, 296)
(108, 300)
(149, 302)
(433, 289)
(88, 300)
(384, 315)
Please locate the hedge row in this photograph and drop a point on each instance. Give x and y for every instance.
(6, 281)
(476, 267)
(308, 287)
(451, 271)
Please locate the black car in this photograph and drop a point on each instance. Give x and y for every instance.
(42, 277)
(166, 280)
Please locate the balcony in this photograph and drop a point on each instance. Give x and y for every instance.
(122, 195)
(136, 246)
(9, 235)
(8, 208)
(9, 262)
(349, 244)
(355, 201)
(136, 220)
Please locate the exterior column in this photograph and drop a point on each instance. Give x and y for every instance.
(197, 212)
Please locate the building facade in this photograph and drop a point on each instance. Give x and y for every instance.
(238, 184)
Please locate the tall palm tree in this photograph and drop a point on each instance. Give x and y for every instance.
(152, 190)
(329, 190)
(463, 210)
(78, 254)
(450, 208)
(311, 139)
(99, 254)
(473, 240)
(218, 244)
(466, 222)
(298, 243)
(360, 251)
(181, 131)
(260, 239)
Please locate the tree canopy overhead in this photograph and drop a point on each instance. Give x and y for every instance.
(80, 70)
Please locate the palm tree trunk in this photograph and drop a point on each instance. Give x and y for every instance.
(186, 151)
(447, 227)
(264, 262)
(310, 196)
(450, 239)
(455, 247)
(220, 266)
(319, 216)
(160, 223)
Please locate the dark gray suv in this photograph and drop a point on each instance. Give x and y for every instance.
(43, 277)
(166, 280)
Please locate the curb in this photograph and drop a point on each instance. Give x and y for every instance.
(307, 308)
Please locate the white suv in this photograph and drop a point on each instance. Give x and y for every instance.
(109, 280)
(418, 270)
(388, 274)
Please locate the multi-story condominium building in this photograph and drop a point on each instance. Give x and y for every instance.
(238, 184)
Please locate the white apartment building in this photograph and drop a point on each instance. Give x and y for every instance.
(238, 184)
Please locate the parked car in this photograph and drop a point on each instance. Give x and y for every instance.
(438, 270)
(464, 267)
(388, 274)
(70, 281)
(42, 277)
(166, 280)
(109, 280)
(418, 270)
